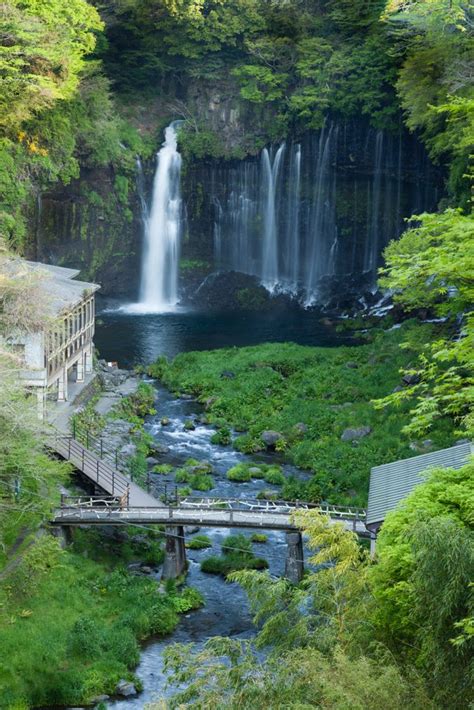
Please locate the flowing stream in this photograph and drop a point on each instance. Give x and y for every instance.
(226, 611)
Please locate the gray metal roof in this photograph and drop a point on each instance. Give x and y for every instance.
(392, 482)
(62, 291)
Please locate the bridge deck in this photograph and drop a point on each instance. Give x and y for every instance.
(100, 472)
(268, 517)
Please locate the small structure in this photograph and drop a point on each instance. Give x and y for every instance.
(392, 482)
(62, 351)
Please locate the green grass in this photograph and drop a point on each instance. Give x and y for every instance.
(70, 626)
(259, 538)
(279, 386)
(237, 554)
(162, 468)
(199, 542)
(244, 472)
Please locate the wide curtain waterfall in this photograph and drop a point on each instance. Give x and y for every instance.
(310, 215)
(162, 228)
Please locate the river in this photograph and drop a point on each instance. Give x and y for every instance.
(140, 338)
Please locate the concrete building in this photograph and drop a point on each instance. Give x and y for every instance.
(62, 352)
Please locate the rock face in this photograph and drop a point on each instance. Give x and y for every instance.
(356, 433)
(270, 438)
(410, 379)
(126, 689)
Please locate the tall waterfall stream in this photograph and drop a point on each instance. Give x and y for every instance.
(162, 230)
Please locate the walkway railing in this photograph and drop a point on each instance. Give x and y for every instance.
(96, 469)
(271, 507)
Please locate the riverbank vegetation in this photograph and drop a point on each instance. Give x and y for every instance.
(71, 619)
(237, 554)
(394, 633)
(319, 403)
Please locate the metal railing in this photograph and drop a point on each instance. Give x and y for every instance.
(96, 443)
(93, 467)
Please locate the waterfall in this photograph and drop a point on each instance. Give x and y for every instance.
(322, 219)
(373, 208)
(218, 231)
(293, 246)
(311, 218)
(270, 174)
(141, 192)
(159, 276)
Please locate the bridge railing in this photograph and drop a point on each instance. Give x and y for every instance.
(95, 468)
(209, 504)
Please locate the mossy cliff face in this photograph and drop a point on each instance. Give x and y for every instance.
(373, 179)
(93, 224)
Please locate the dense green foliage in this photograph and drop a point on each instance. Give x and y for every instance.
(355, 634)
(69, 627)
(282, 387)
(421, 581)
(237, 554)
(432, 266)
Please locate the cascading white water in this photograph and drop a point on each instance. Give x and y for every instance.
(312, 218)
(270, 234)
(159, 276)
(292, 260)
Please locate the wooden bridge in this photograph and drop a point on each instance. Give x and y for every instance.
(122, 502)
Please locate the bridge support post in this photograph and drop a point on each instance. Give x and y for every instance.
(294, 565)
(174, 564)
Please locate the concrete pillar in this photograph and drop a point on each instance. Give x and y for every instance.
(294, 565)
(373, 540)
(62, 385)
(41, 402)
(174, 564)
(88, 359)
(80, 369)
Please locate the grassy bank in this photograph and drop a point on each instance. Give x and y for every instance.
(71, 620)
(310, 396)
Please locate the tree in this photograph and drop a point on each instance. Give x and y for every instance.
(43, 50)
(431, 266)
(425, 561)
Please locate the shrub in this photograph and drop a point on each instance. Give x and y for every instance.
(199, 542)
(162, 468)
(259, 538)
(274, 476)
(237, 555)
(201, 482)
(223, 437)
(239, 473)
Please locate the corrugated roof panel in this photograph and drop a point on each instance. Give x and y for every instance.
(392, 482)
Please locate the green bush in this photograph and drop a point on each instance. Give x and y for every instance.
(259, 538)
(201, 482)
(199, 542)
(237, 554)
(222, 437)
(239, 473)
(162, 468)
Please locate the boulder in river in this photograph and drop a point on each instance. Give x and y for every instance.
(271, 438)
(128, 450)
(227, 375)
(356, 433)
(158, 449)
(189, 425)
(125, 688)
(164, 421)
